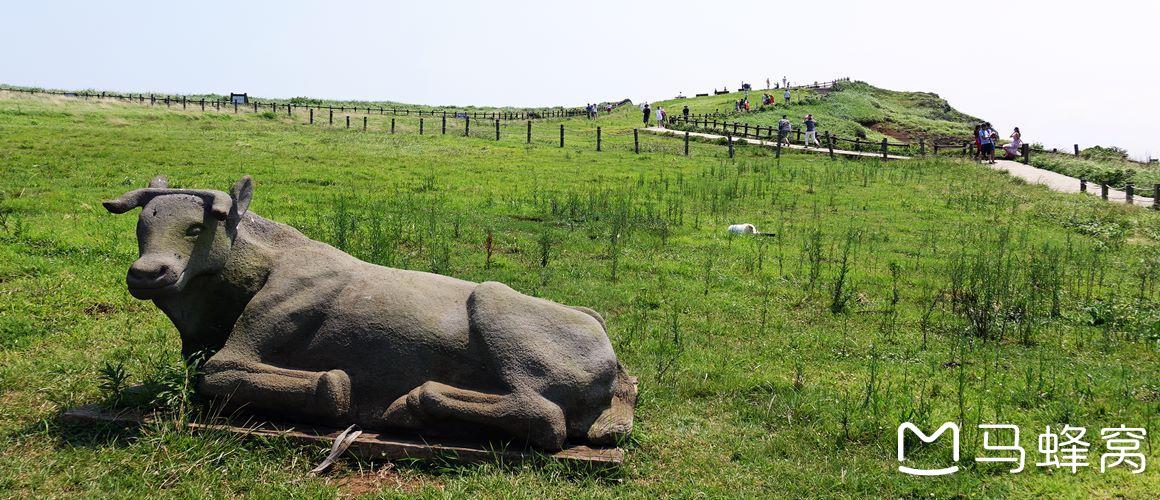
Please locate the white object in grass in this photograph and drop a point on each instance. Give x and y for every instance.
(743, 229)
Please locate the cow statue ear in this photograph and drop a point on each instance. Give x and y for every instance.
(242, 192)
(159, 182)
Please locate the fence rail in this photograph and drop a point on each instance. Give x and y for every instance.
(257, 106)
(704, 122)
(777, 86)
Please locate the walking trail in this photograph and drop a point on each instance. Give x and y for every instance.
(1053, 180)
(1062, 183)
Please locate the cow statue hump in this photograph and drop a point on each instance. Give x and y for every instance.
(304, 331)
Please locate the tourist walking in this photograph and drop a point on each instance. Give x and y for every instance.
(661, 117)
(783, 129)
(787, 96)
(685, 113)
(811, 131)
(647, 111)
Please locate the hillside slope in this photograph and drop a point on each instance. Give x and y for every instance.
(849, 109)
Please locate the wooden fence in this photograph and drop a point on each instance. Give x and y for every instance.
(709, 124)
(777, 86)
(289, 107)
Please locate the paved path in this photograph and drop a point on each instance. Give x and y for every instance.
(1062, 183)
(759, 142)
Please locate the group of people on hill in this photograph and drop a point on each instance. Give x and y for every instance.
(784, 127)
(767, 99)
(986, 139)
(594, 109)
(661, 114)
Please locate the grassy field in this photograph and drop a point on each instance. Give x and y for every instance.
(928, 290)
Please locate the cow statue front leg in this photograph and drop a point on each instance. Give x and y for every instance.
(239, 381)
(528, 416)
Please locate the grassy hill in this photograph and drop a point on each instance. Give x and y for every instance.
(930, 290)
(849, 110)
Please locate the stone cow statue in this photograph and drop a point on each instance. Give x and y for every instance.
(301, 330)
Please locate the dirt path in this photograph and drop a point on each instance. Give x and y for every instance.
(1062, 183)
(771, 144)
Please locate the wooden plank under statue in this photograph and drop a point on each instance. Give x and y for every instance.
(368, 446)
(301, 331)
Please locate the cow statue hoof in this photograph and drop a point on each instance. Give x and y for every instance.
(334, 392)
(297, 328)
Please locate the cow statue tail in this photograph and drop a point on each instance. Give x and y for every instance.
(615, 423)
(590, 312)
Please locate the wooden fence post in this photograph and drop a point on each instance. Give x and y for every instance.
(255, 106)
(312, 116)
(1129, 193)
(921, 146)
(420, 125)
(203, 104)
(392, 125)
(884, 150)
(799, 135)
(934, 146)
(183, 103)
(635, 141)
(686, 143)
(529, 131)
(1077, 149)
(497, 129)
(830, 143)
(561, 135)
(597, 139)
(347, 121)
(1082, 185)
(1156, 197)
(443, 129)
(289, 110)
(857, 144)
(729, 141)
(1104, 190)
(235, 106)
(364, 124)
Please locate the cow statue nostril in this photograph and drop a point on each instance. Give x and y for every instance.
(148, 274)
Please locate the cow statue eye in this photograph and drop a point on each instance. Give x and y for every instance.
(193, 230)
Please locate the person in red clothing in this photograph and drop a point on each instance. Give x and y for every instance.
(978, 147)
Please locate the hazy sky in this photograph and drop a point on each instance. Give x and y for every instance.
(1063, 71)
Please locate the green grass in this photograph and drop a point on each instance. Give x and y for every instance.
(928, 290)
